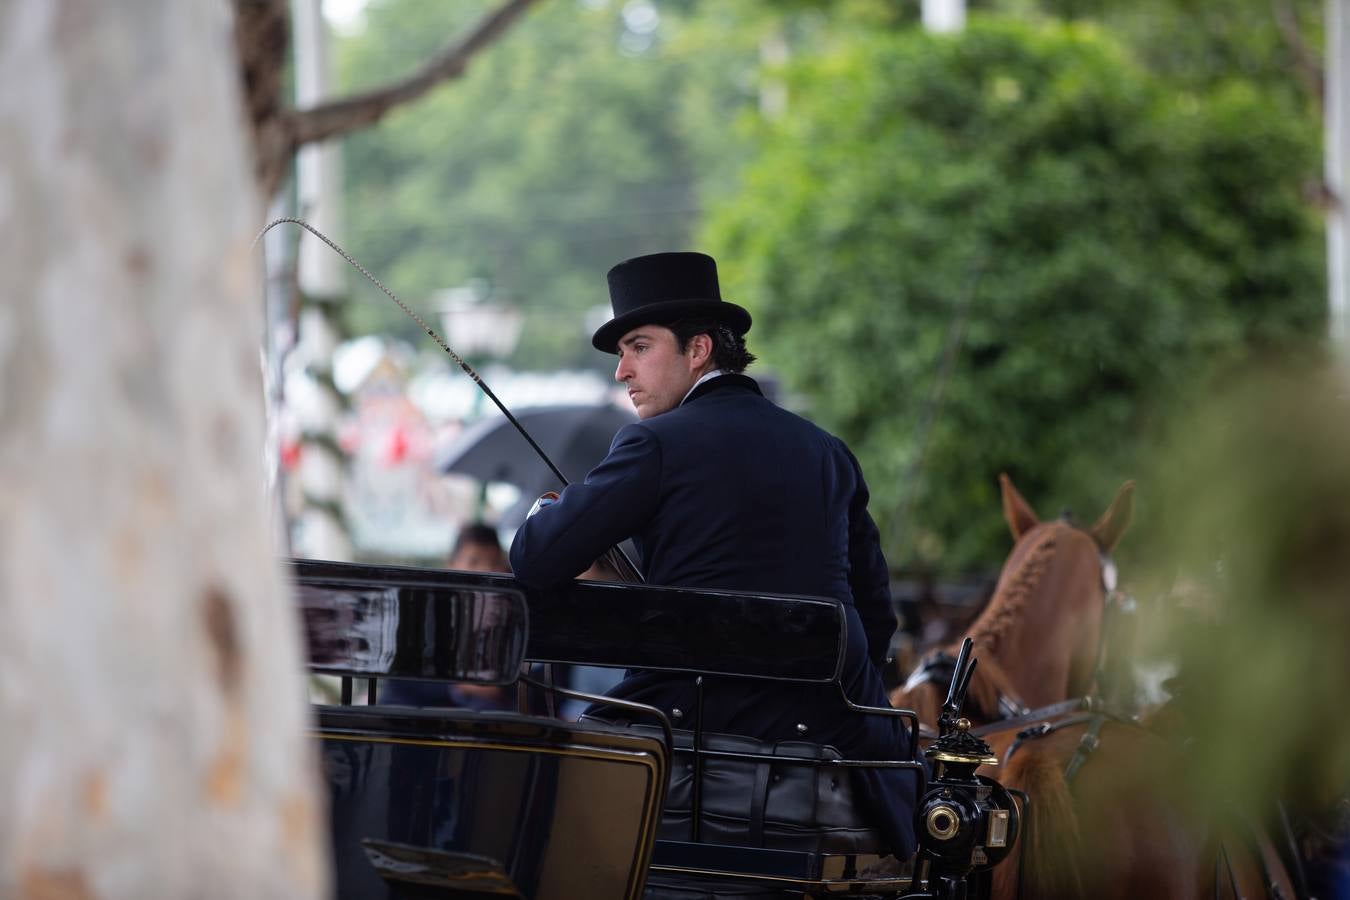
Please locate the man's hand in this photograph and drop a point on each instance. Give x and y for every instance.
(546, 499)
(600, 570)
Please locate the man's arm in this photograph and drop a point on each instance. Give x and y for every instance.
(869, 578)
(618, 497)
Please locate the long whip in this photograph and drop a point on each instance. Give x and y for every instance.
(617, 559)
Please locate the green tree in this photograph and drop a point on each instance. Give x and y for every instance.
(559, 154)
(1198, 43)
(1027, 201)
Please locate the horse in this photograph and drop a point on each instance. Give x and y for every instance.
(1037, 638)
(1103, 814)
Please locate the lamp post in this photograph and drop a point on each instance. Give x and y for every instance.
(944, 16)
(1337, 163)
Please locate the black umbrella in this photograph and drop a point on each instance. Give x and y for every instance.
(575, 436)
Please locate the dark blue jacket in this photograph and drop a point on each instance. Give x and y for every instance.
(727, 491)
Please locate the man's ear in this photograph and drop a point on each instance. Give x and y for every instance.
(699, 349)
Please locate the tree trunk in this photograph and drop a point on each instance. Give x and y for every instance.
(152, 711)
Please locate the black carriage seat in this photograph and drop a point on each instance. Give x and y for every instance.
(792, 796)
(772, 815)
(783, 813)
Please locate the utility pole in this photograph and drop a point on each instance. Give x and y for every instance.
(1337, 172)
(318, 166)
(947, 16)
(321, 475)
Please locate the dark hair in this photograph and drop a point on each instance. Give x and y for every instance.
(477, 533)
(728, 347)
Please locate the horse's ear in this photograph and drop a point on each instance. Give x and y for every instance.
(1116, 519)
(1020, 516)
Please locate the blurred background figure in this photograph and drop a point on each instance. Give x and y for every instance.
(477, 549)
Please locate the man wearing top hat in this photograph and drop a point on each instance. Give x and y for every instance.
(721, 489)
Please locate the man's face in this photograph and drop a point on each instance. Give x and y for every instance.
(476, 557)
(656, 373)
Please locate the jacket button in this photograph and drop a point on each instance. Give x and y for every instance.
(801, 728)
(677, 713)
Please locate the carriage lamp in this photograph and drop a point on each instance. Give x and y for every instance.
(966, 822)
(943, 821)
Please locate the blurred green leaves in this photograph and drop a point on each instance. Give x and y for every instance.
(1092, 203)
(563, 150)
(1095, 240)
(1253, 491)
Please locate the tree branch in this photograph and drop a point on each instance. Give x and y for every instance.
(341, 116)
(1307, 65)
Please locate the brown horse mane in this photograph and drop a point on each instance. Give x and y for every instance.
(1004, 609)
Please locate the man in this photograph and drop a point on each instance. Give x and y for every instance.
(477, 549)
(720, 489)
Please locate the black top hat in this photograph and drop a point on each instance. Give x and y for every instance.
(663, 288)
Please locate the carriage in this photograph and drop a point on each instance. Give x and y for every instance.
(450, 802)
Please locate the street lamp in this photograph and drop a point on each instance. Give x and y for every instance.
(475, 325)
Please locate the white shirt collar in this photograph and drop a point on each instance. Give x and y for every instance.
(707, 376)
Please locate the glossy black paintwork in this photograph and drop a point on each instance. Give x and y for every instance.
(607, 624)
(359, 621)
(537, 808)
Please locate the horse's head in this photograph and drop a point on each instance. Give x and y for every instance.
(1038, 638)
(1044, 622)
(1106, 533)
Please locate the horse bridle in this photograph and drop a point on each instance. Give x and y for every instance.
(939, 665)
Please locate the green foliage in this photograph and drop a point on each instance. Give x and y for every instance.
(563, 150)
(1095, 240)
(1096, 213)
(1200, 42)
(1252, 553)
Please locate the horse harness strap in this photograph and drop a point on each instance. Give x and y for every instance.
(1039, 730)
(1096, 716)
(1039, 716)
(1087, 745)
(939, 666)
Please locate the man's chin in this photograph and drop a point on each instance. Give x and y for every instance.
(646, 409)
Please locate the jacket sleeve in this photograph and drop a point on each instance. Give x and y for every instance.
(869, 578)
(618, 497)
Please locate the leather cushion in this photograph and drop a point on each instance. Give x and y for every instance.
(790, 799)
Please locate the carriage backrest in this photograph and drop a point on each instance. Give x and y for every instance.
(448, 625)
(780, 637)
(378, 622)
